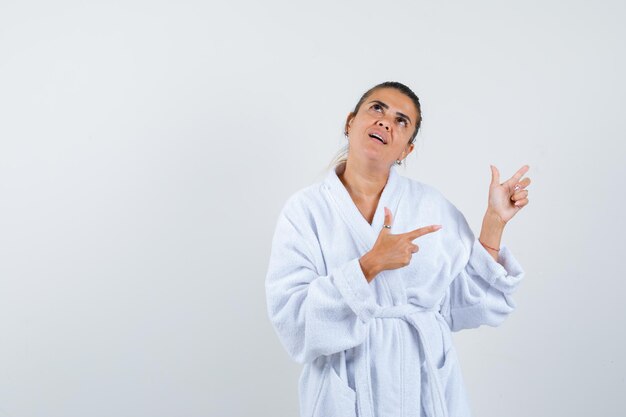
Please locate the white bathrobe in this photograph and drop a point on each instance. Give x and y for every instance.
(382, 348)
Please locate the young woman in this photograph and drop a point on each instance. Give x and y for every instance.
(352, 295)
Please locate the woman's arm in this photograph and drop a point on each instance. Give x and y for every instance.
(314, 313)
(482, 292)
(505, 201)
(491, 233)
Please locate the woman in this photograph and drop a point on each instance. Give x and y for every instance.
(354, 298)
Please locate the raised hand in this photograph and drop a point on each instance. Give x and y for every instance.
(506, 199)
(392, 251)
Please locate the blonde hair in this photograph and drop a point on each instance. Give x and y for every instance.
(340, 157)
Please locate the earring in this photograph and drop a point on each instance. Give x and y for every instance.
(398, 162)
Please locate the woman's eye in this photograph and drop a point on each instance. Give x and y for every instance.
(402, 122)
(377, 107)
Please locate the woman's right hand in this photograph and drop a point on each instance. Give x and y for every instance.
(392, 251)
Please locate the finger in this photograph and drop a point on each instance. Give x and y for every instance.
(522, 184)
(414, 234)
(495, 175)
(415, 248)
(388, 220)
(519, 195)
(521, 203)
(519, 174)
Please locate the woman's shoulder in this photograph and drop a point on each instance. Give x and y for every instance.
(304, 199)
(424, 192)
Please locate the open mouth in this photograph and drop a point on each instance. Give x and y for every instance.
(377, 136)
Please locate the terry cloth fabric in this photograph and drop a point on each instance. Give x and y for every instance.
(384, 348)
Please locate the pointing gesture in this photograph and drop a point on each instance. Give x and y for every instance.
(392, 251)
(506, 199)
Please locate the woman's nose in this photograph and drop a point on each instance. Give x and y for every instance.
(381, 124)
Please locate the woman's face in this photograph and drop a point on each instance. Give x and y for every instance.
(382, 127)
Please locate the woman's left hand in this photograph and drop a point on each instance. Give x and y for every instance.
(506, 199)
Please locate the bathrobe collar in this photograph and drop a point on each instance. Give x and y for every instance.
(390, 197)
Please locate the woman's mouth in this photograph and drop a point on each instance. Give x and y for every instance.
(376, 136)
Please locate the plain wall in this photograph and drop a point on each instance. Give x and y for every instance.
(147, 147)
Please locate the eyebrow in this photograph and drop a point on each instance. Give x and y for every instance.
(387, 107)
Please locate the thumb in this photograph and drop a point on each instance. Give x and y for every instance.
(495, 175)
(388, 220)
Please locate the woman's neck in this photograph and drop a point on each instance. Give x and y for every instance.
(362, 182)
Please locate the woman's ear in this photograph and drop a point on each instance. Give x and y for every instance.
(346, 129)
(409, 149)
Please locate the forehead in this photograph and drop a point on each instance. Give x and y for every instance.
(396, 100)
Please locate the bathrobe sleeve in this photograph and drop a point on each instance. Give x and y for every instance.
(482, 292)
(314, 314)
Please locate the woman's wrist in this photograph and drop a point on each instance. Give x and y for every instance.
(369, 266)
(491, 233)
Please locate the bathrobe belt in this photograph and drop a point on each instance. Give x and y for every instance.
(411, 314)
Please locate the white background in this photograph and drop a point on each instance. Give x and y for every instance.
(146, 148)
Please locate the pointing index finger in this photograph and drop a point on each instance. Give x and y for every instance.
(520, 173)
(414, 234)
